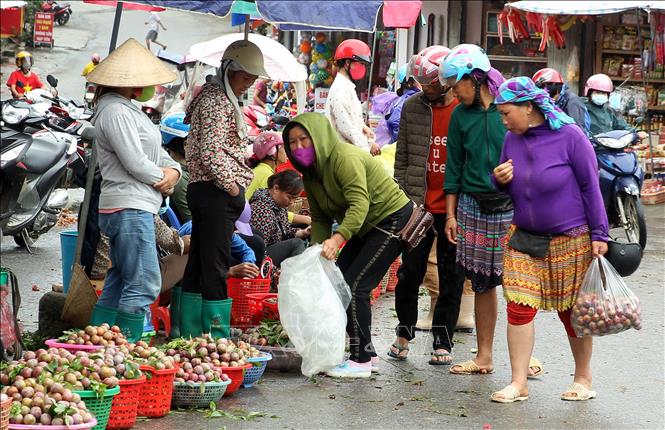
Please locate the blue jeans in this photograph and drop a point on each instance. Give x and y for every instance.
(133, 282)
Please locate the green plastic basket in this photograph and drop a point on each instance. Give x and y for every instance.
(100, 407)
(197, 395)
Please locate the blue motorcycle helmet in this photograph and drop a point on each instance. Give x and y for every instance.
(401, 74)
(173, 127)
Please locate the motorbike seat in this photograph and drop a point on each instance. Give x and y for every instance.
(43, 154)
(10, 138)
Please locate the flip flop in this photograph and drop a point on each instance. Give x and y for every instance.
(580, 391)
(509, 394)
(534, 362)
(399, 349)
(434, 361)
(470, 368)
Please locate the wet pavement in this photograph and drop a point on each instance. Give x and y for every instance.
(628, 370)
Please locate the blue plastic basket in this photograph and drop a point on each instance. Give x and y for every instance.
(254, 373)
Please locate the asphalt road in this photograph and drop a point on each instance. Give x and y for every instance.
(628, 370)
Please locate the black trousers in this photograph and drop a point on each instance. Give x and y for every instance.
(364, 261)
(451, 283)
(214, 213)
(280, 251)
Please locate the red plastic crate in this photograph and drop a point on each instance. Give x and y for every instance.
(125, 404)
(238, 289)
(392, 274)
(156, 392)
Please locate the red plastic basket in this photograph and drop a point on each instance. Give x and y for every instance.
(4, 413)
(270, 310)
(156, 393)
(259, 309)
(238, 289)
(392, 274)
(125, 404)
(236, 374)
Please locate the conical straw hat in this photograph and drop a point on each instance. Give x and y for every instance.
(131, 65)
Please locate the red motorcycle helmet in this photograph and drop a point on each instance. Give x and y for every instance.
(353, 49)
(547, 76)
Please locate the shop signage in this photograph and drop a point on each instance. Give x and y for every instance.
(43, 34)
(320, 97)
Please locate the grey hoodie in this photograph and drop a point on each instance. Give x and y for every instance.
(130, 155)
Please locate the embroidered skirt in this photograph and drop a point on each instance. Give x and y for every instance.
(480, 242)
(551, 282)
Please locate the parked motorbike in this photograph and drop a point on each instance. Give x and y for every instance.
(621, 180)
(256, 119)
(61, 12)
(30, 168)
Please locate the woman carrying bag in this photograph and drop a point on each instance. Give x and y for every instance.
(137, 172)
(549, 168)
(346, 184)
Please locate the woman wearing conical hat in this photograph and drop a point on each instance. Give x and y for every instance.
(136, 174)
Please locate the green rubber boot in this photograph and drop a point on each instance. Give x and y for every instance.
(190, 314)
(174, 310)
(131, 325)
(216, 317)
(102, 314)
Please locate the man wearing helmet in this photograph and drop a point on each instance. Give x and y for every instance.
(343, 108)
(603, 119)
(27, 78)
(174, 132)
(420, 170)
(94, 60)
(551, 81)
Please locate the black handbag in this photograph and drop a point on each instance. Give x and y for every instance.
(533, 244)
(492, 203)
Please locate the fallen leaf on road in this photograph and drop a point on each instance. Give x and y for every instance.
(397, 406)
(35, 287)
(487, 426)
(331, 397)
(418, 382)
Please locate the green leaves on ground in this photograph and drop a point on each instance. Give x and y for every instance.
(236, 414)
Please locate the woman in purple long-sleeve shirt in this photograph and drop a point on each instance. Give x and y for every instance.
(549, 169)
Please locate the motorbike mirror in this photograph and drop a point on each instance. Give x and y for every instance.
(52, 81)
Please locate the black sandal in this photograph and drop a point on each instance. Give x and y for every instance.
(399, 349)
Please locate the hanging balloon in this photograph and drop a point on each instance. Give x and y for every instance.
(307, 58)
(313, 67)
(320, 37)
(313, 79)
(320, 48)
(305, 47)
(329, 80)
(322, 75)
(315, 56)
(322, 63)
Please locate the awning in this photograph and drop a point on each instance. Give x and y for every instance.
(6, 4)
(126, 5)
(344, 15)
(584, 8)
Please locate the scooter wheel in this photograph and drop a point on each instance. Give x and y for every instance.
(63, 18)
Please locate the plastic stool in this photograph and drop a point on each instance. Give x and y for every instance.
(160, 314)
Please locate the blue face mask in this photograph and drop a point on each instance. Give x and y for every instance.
(599, 99)
(615, 101)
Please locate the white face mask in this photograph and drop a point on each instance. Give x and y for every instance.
(599, 99)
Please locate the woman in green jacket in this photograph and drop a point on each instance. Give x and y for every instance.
(347, 185)
(477, 216)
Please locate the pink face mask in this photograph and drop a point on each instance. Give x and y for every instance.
(304, 156)
(357, 70)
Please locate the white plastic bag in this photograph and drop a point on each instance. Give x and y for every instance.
(313, 297)
(604, 305)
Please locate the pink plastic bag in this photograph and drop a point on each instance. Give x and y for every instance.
(7, 323)
(605, 305)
